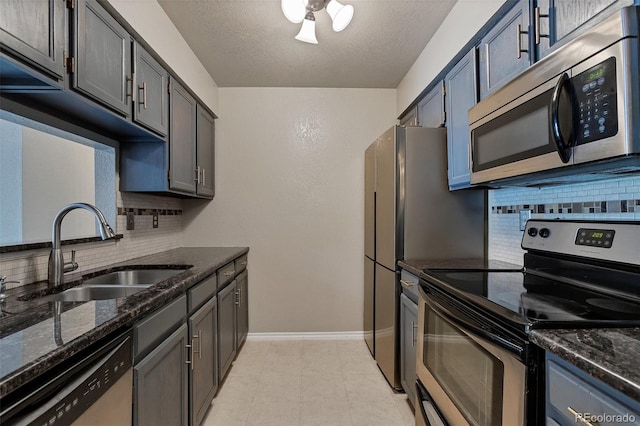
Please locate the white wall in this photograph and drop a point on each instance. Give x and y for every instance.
(289, 184)
(463, 22)
(155, 27)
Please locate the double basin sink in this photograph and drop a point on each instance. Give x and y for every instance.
(113, 285)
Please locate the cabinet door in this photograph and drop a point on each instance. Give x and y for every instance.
(461, 87)
(242, 290)
(34, 30)
(204, 367)
(431, 108)
(564, 17)
(504, 51)
(227, 328)
(205, 152)
(182, 140)
(160, 383)
(410, 119)
(408, 338)
(152, 97)
(103, 57)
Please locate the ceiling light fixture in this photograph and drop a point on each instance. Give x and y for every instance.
(298, 11)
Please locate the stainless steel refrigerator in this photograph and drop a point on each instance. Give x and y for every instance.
(410, 214)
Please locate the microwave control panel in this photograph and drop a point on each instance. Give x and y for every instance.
(595, 91)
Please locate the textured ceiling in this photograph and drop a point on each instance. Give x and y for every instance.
(249, 43)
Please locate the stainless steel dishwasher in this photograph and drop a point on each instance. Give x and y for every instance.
(94, 389)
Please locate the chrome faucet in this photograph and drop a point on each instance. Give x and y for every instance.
(57, 265)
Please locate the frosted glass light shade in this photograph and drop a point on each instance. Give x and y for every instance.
(308, 32)
(294, 10)
(340, 14)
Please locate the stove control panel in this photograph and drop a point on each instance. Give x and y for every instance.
(608, 241)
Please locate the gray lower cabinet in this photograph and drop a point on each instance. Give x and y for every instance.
(504, 51)
(102, 57)
(205, 153)
(571, 392)
(34, 32)
(431, 112)
(182, 139)
(242, 311)
(408, 338)
(203, 374)
(151, 106)
(461, 87)
(160, 383)
(227, 328)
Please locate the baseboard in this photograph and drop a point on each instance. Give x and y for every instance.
(337, 335)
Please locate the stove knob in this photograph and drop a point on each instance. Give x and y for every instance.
(544, 232)
(532, 232)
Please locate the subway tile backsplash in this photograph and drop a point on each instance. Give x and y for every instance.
(31, 266)
(613, 199)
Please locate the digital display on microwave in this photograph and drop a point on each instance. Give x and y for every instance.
(593, 75)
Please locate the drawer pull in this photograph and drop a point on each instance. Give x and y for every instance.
(243, 263)
(189, 359)
(407, 284)
(578, 417)
(228, 273)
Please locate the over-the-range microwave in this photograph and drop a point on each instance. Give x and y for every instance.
(573, 116)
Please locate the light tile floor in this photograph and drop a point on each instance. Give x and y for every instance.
(307, 383)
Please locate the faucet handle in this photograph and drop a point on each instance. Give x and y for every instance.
(3, 286)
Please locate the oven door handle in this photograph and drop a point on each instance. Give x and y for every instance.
(471, 326)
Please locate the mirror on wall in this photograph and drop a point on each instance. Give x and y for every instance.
(43, 169)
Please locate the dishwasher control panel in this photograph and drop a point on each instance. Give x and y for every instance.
(84, 388)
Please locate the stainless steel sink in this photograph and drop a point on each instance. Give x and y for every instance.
(132, 277)
(98, 292)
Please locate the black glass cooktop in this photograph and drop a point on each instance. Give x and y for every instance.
(526, 301)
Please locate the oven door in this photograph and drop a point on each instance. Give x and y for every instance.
(472, 379)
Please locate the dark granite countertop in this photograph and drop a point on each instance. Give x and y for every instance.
(610, 355)
(28, 344)
(419, 266)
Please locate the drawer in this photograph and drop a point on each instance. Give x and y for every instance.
(226, 274)
(200, 293)
(568, 393)
(409, 285)
(241, 263)
(151, 330)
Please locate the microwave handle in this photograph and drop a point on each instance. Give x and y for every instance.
(563, 147)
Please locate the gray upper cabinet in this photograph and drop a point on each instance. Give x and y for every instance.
(182, 139)
(205, 153)
(204, 369)
(504, 51)
(102, 57)
(431, 111)
(34, 31)
(160, 382)
(151, 97)
(410, 118)
(558, 21)
(461, 87)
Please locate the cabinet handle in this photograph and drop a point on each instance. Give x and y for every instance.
(197, 178)
(243, 263)
(143, 102)
(519, 49)
(189, 359)
(228, 273)
(199, 337)
(130, 85)
(204, 177)
(407, 284)
(537, 33)
(414, 328)
(578, 417)
(237, 297)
